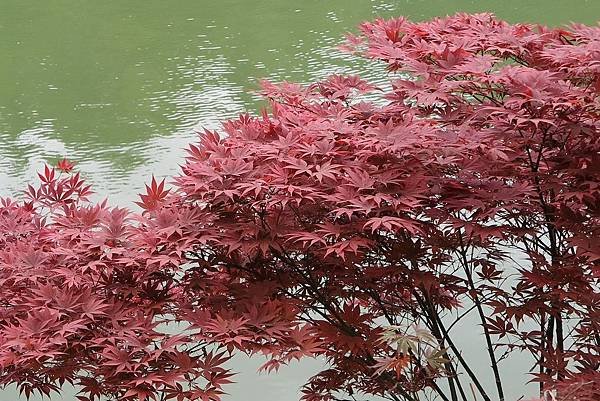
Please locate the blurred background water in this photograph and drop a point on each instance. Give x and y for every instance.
(121, 86)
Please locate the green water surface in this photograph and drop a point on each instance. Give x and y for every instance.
(121, 85)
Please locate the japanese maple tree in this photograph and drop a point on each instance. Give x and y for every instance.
(86, 295)
(472, 189)
(350, 222)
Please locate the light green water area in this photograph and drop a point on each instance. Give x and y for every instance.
(120, 86)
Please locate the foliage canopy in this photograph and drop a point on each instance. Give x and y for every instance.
(354, 223)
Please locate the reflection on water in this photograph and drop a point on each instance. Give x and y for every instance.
(121, 86)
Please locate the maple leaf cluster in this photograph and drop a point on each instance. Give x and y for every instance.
(87, 296)
(349, 222)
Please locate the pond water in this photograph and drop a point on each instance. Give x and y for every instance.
(120, 86)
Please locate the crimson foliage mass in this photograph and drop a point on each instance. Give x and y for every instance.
(350, 222)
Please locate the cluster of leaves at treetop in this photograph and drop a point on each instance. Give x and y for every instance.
(359, 231)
